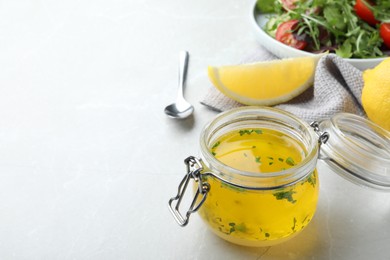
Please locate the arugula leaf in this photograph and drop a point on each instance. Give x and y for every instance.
(335, 17)
(345, 50)
(266, 6)
(381, 10)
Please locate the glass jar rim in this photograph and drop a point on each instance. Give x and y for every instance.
(261, 114)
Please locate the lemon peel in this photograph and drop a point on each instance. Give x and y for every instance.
(376, 94)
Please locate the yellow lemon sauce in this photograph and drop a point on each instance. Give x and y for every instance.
(259, 217)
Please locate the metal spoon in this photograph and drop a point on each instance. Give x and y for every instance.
(181, 108)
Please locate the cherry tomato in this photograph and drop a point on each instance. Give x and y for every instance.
(384, 31)
(284, 34)
(364, 12)
(289, 4)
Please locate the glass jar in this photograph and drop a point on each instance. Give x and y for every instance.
(263, 209)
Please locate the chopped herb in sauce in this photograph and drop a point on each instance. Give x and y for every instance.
(290, 161)
(294, 225)
(216, 145)
(249, 131)
(312, 180)
(240, 227)
(288, 195)
(232, 227)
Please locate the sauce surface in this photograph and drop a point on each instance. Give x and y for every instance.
(258, 150)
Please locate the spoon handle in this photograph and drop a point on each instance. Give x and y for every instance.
(183, 65)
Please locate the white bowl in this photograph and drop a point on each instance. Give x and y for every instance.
(281, 50)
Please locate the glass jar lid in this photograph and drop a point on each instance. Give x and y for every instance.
(358, 150)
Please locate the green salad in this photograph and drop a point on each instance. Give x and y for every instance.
(349, 28)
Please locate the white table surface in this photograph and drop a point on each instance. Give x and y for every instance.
(88, 159)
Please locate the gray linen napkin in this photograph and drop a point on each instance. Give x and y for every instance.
(337, 88)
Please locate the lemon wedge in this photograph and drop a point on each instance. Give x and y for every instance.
(265, 83)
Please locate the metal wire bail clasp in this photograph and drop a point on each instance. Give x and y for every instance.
(194, 169)
(322, 136)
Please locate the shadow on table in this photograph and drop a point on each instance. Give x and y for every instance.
(183, 124)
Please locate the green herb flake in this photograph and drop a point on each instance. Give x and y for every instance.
(290, 161)
(258, 159)
(307, 217)
(253, 147)
(216, 145)
(214, 153)
(280, 159)
(241, 227)
(294, 225)
(248, 131)
(266, 234)
(232, 227)
(258, 131)
(287, 195)
(270, 163)
(312, 180)
(269, 157)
